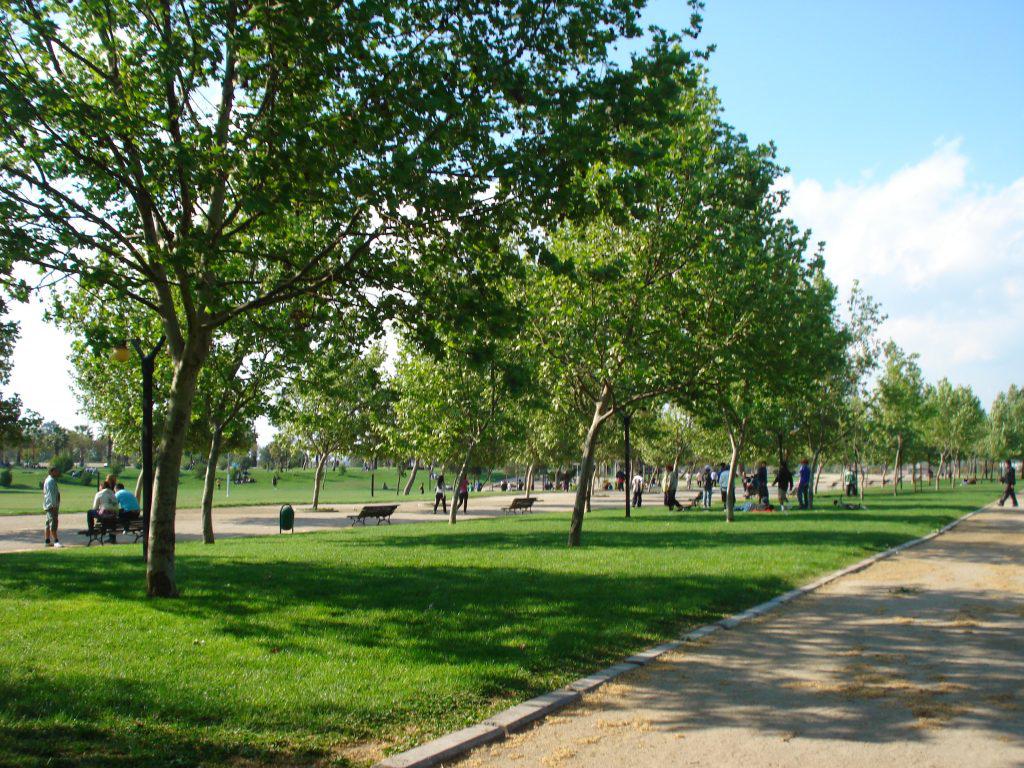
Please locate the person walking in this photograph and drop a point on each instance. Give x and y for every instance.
(669, 486)
(784, 479)
(1009, 479)
(462, 496)
(638, 490)
(723, 482)
(51, 506)
(803, 488)
(440, 497)
(707, 484)
(761, 484)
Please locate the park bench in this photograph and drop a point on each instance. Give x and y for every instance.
(522, 504)
(107, 531)
(380, 512)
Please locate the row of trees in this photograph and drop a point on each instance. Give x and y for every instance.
(557, 243)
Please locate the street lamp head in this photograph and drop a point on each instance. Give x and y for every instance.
(121, 353)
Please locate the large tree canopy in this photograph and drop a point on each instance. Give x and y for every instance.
(210, 158)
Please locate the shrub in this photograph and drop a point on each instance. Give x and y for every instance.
(88, 478)
(117, 469)
(6, 478)
(63, 462)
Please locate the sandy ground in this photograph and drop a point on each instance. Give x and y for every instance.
(916, 661)
(25, 532)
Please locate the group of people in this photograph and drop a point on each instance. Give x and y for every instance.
(712, 478)
(112, 503)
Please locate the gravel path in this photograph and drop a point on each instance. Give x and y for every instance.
(916, 661)
(25, 532)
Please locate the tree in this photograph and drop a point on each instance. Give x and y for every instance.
(448, 404)
(327, 407)
(954, 420)
(897, 405)
(1006, 430)
(208, 159)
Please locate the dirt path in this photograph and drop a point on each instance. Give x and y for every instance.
(25, 532)
(917, 661)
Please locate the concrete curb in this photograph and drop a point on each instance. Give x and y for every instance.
(515, 718)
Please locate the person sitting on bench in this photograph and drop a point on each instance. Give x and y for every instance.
(104, 504)
(128, 503)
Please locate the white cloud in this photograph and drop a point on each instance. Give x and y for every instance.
(944, 255)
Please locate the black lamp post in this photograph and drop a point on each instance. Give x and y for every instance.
(121, 354)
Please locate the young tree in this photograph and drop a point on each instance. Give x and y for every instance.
(954, 422)
(327, 408)
(208, 159)
(1006, 424)
(897, 405)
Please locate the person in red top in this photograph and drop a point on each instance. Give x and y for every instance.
(462, 495)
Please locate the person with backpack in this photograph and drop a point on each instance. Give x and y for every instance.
(1009, 480)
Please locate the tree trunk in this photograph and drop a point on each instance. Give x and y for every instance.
(211, 478)
(816, 468)
(160, 568)
(458, 481)
(601, 413)
(938, 473)
(626, 419)
(897, 466)
(318, 479)
(529, 479)
(734, 460)
(412, 477)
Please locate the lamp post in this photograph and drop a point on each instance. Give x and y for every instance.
(121, 354)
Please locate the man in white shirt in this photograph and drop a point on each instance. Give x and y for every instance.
(638, 490)
(51, 506)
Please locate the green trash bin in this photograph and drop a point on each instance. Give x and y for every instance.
(286, 519)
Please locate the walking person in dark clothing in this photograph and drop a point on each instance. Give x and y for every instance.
(707, 485)
(761, 483)
(784, 479)
(1009, 479)
(803, 488)
(440, 496)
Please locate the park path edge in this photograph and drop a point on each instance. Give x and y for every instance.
(500, 725)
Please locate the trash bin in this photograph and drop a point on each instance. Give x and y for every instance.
(286, 519)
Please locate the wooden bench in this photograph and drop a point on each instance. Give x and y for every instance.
(107, 531)
(523, 504)
(380, 512)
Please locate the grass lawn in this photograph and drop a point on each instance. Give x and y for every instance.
(294, 487)
(331, 648)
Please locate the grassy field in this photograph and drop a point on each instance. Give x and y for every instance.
(294, 487)
(333, 648)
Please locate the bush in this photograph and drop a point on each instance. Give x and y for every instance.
(116, 469)
(88, 478)
(63, 462)
(6, 478)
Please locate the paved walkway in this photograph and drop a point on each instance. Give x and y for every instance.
(25, 532)
(916, 661)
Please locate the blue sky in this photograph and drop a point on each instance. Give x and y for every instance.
(851, 86)
(903, 125)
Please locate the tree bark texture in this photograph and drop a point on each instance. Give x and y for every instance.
(412, 477)
(208, 483)
(602, 411)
